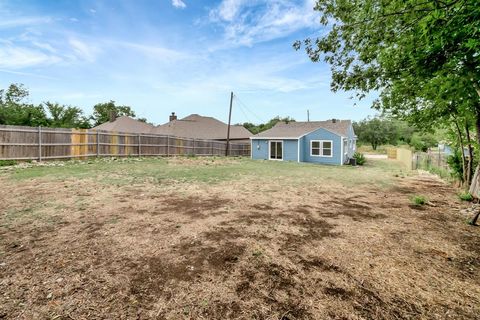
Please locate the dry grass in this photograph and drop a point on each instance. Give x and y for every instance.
(179, 240)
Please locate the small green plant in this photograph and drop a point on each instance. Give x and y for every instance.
(360, 158)
(465, 196)
(4, 163)
(419, 200)
(257, 253)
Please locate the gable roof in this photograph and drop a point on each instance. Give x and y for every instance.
(298, 129)
(125, 124)
(200, 127)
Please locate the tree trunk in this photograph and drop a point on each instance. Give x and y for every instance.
(464, 166)
(475, 185)
(468, 175)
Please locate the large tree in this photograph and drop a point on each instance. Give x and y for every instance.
(256, 128)
(102, 112)
(16, 110)
(422, 57)
(62, 116)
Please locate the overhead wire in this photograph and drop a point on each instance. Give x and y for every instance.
(248, 109)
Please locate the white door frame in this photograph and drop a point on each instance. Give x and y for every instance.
(269, 151)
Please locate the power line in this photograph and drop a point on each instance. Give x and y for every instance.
(248, 109)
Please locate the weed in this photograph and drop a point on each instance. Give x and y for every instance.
(5, 163)
(359, 158)
(257, 253)
(419, 200)
(465, 196)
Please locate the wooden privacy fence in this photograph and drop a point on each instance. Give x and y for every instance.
(405, 156)
(39, 143)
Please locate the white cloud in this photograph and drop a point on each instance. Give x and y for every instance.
(179, 4)
(249, 22)
(23, 21)
(21, 57)
(83, 50)
(154, 52)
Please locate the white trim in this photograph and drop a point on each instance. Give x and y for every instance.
(269, 146)
(335, 133)
(298, 150)
(341, 158)
(251, 150)
(320, 147)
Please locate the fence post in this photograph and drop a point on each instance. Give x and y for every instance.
(98, 144)
(168, 146)
(39, 143)
(139, 145)
(211, 148)
(193, 146)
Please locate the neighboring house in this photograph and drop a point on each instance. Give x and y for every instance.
(125, 124)
(200, 127)
(447, 150)
(327, 142)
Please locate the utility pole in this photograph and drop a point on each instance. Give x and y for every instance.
(229, 120)
(308, 115)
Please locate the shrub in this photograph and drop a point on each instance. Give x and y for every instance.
(419, 200)
(360, 158)
(4, 163)
(465, 196)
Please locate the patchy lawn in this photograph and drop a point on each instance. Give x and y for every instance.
(201, 238)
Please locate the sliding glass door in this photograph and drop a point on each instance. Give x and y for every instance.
(276, 150)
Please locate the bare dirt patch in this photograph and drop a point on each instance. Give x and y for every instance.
(229, 251)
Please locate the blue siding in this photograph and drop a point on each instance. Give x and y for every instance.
(260, 149)
(302, 148)
(290, 151)
(322, 134)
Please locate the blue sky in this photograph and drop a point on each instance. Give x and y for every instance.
(160, 56)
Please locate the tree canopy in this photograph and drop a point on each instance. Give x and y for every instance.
(15, 109)
(256, 128)
(422, 57)
(103, 111)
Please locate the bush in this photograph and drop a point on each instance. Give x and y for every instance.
(419, 200)
(4, 163)
(465, 196)
(360, 158)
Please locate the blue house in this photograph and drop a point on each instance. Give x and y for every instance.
(328, 142)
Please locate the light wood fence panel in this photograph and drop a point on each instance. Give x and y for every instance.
(38, 143)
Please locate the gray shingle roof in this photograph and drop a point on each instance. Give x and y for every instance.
(126, 124)
(200, 127)
(298, 129)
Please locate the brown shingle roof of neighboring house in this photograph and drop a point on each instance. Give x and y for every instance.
(297, 129)
(200, 127)
(126, 124)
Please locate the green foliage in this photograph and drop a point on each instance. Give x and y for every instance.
(384, 130)
(15, 110)
(253, 128)
(455, 164)
(421, 56)
(5, 163)
(465, 196)
(423, 141)
(66, 116)
(359, 158)
(419, 200)
(103, 111)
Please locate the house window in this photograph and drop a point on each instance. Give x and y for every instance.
(321, 148)
(276, 150)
